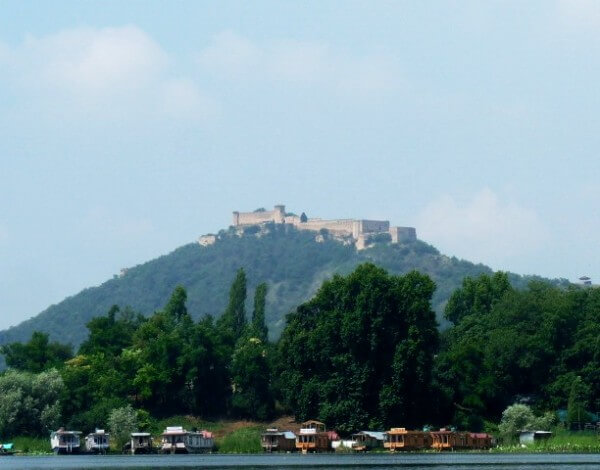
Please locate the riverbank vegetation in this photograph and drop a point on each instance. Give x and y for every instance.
(364, 353)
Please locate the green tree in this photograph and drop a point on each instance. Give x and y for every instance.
(30, 403)
(360, 353)
(204, 361)
(476, 296)
(258, 314)
(251, 376)
(37, 355)
(176, 306)
(519, 417)
(122, 422)
(110, 335)
(233, 320)
(577, 404)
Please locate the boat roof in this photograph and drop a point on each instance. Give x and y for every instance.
(535, 432)
(479, 435)
(379, 435)
(276, 432)
(140, 434)
(313, 421)
(99, 432)
(174, 430)
(62, 431)
(203, 433)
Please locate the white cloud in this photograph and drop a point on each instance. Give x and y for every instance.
(182, 99)
(300, 62)
(115, 72)
(484, 228)
(231, 54)
(88, 60)
(576, 14)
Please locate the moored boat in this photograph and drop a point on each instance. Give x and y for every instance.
(65, 442)
(274, 440)
(367, 440)
(446, 439)
(404, 439)
(141, 443)
(7, 449)
(176, 440)
(97, 442)
(313, 437)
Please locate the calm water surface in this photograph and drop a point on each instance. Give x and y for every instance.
(300, 462)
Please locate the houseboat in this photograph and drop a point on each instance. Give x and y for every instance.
(176, 440)
(445, 439)
(403, 439)
(65, 442)
(141, 443)
(97, 442)
(367, 440)
(479, 440)
(7, 449)
(273, 440)
(313, 437)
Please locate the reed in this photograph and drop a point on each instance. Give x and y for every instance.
(561, 442)
(32, 445)
(241, 441)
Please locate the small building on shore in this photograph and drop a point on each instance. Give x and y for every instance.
(530, 437)
(274, 440)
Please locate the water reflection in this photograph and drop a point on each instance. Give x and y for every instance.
(301, 462)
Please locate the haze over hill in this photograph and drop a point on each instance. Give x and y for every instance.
(293, 262)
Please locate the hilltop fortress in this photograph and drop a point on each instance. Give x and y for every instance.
(361, 232)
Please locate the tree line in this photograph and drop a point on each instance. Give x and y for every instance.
(364, 352)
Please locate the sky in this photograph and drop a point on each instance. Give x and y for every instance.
(128, 129)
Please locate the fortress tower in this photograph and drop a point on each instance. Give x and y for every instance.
(359, 230)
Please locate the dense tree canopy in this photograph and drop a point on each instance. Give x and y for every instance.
(29, 403)
(530, 344)
(291, 261)
(364, 352)
(37, 355)
(360, 352)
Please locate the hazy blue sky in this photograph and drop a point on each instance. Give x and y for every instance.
(129, 128)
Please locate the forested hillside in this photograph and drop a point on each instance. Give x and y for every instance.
(291, 262)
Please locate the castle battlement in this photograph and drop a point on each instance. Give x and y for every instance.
(360, 230)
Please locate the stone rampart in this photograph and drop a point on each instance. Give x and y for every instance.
(259, 217)
(336, 227)
(403, 234)
(360, 230)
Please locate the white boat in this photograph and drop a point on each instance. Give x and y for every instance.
(176, 440)
(65, 442)
(141, 443)
(97, 442)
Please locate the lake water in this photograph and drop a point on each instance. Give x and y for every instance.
(299, 462)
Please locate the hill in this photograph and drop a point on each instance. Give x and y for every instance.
(293, 263)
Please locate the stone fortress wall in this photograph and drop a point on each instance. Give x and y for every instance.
(359, 230)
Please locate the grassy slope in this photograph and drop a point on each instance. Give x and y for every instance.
(291, 262)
